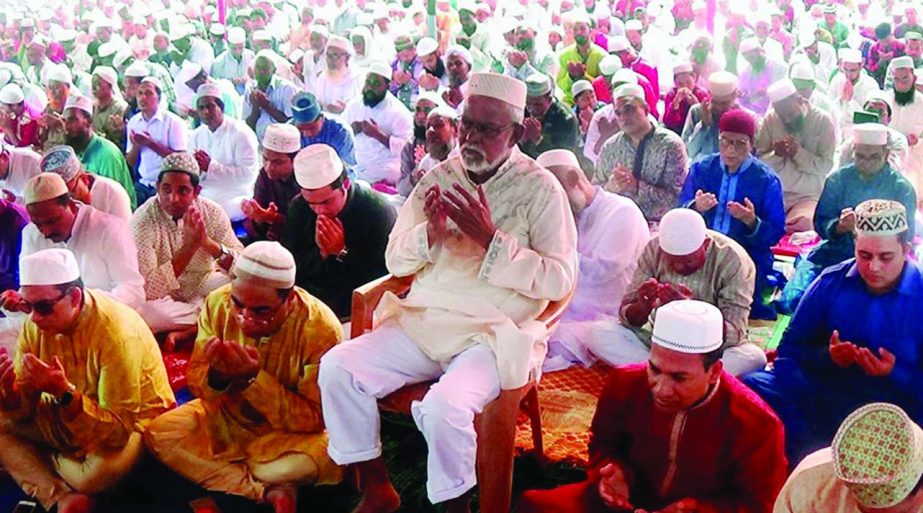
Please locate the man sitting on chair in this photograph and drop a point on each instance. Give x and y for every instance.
(490, 239)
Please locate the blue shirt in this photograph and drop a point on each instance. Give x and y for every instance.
(838, 300)
(847, 188)
(336, 135)
(754, 180)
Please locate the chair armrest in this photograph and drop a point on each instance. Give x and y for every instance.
(367, 297)
(555, 310)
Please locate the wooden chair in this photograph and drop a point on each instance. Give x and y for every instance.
(495, 426)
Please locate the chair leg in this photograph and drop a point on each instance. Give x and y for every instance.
(534, 410)
(496, 428)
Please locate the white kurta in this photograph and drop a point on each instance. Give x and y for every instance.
(338, 89)
(234, 166)
(105, 252)
(908, 119)
(24, 164)
(110, 197)
(862, 89)
(377, 162)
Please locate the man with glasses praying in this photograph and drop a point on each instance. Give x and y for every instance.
(741, 197)
(339, 83)
(85, 381)
(489, 238)
(255, 428)
(851, 86)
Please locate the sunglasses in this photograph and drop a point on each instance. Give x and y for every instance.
(46, 306)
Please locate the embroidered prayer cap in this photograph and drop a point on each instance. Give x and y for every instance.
(60, 73)
(317, 166)
(501, 87)
(207, 90)
(580, 86)
(382, 69)
(43, 187)
(538, 84)
(682, 232)
(628, 91)
(619, 44)
(53, 266)
(282, 138)
(881, 217)
(108, 74)
(341, 43)
(266, 262)
(830, 9)
(62, 161)
(563, 158)
(722, 83)
(913, 35)
(609, 65)
(78, 101)
(11, 94)
(305, 108)
(236, 36)
(137, 69)
(623, 76)
(182, 162)
(403, 42)
(682, 67)
(426, 46)
(738, 121)
(878, 454)
(850, 56)
(871, 134)
(688, 326)
(902, 62)
(781, 90)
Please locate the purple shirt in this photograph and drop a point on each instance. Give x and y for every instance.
(13, 218)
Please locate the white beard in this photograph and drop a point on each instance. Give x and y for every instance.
(482, 165)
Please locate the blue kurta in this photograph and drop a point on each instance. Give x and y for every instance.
(754, 180)
(847, 188)
(811, 394)
(336, 135)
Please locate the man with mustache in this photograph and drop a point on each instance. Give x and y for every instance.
(579, 61)
(489, 237)
(907, 117)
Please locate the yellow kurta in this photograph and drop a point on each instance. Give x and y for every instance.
(115, 363)
(280, 412)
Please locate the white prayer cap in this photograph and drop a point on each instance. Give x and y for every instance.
(268, 54)
(602, 11)
(54, 266)
(919, 74)
(850, 55)
(207, 90)
(60, 73)
(11, 94)
(634, 24)
(122, 56)
(619, 44)
(39, 41)
(802, 71)
(628, 91)
(688, 326)
(460, 51)
(182, 162)
(317, 166)
(426, 46)
(262, 35)
(624, 76)
(107, 49)
(429, 96)
(282, 138)
(27, 23)
(808, 38)
(609, 65)
(722, 83)
(78, 101)
(580, 86)
(538, 84)
(63, 35)
(781, 90)
(904, 61)
(268, 263)
(188, 71)
(341, 43)
(443, 111)
(748, 45)
(217, 29)
(62, 161)
(699, 5)
(564, 158)
(137, 69)
(43, 187)
(504, 88)
(382, 69)
(296, 56)
(179, 30)
(881, 217)
(108, 74)
(236, 36)
(872, 134)
(682, 67)
(682, 232)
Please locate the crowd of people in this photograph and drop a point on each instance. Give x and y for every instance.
(220, 177)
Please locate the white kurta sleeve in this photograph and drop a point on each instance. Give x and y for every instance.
(401, 133)
(408, 244)
(245, 166)
(122, 262)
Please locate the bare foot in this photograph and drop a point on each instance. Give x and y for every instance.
(283, 498)
(75, 503)
(379, 499)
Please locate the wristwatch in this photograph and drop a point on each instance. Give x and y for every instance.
(66, 397)
(342, 254)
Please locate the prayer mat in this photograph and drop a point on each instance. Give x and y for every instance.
(177, 363)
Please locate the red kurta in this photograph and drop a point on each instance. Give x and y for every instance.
(727, 452)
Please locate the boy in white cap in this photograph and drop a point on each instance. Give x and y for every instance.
(479, 282)
(226, 151)
(275, 185)
(233, 63)
(854, 338)
(18, 121)
(797, 140)
(907, 116)
(185, 248)
(256, 428)
(611, 233)
(86, 380)
(102, 243)
(678, 434)
(99, 192)
(337, 229)
(875, 463)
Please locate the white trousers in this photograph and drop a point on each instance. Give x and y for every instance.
(617, 345)
(356, 373)
(168, 314)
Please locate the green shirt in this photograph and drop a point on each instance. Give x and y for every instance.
(570, 54)
(104, 158)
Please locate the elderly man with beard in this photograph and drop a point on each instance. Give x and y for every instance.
(550, 125)
(382, 126)
(340, 82)
(441, 142)
(700, 131)
(275, 185)
(415, 149)
(51, 125)
(907, 117)
(757, 73)
(458, 66)
(797, 140)
(255, 428)
(489, 238)
(108, 103)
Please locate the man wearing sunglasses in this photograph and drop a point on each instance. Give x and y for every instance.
(255, 429)
(85, 381)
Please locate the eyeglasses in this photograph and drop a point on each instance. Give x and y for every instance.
(46, 306)
(869, 157)
(624, 109)
(257, 311)
(336, 55)
(483, 129)
(737, 145)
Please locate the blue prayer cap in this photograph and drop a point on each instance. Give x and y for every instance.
(305, 108)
